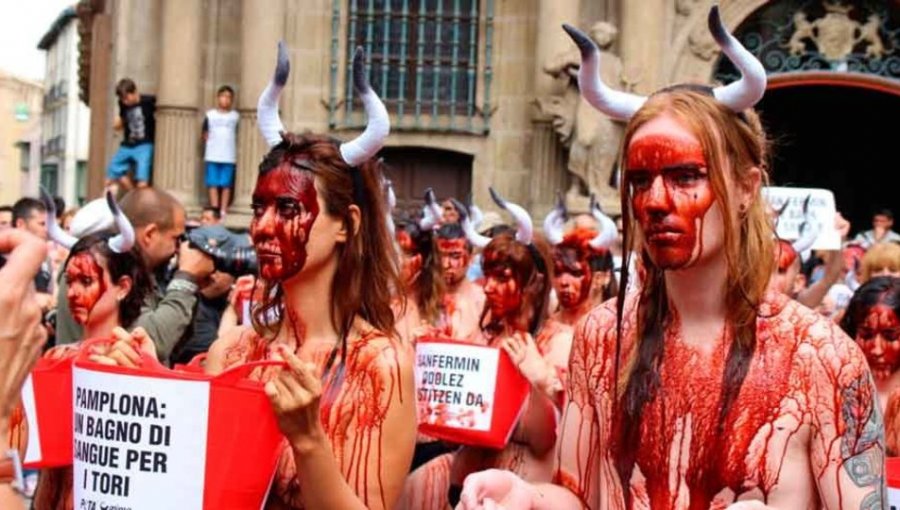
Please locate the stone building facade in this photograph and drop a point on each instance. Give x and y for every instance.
(493, 104)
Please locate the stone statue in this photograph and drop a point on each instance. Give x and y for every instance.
(592, 139)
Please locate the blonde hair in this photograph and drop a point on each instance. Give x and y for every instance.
(879, 257)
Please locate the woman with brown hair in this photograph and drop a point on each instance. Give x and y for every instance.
(417, 306)
(346, 404)
(700, 389)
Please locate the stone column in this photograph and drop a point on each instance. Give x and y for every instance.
(548, 160)
(643, 40)
(176, 159)
(262, 26)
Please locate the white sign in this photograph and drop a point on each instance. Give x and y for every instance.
(821, 210)
(455, 384)
(33, 450)
(893, 498)
(139, 442)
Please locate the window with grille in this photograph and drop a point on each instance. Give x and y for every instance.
(429, 61)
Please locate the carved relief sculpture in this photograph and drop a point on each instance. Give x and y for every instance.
(592, 139)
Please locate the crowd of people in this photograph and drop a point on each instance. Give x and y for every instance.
(678, 356)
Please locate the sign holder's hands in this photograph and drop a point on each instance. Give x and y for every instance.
(524, 353)
(295, 394)
(21, 333)
(496, 489)
(127, 349)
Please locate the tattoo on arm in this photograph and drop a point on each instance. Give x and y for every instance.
(862, 443)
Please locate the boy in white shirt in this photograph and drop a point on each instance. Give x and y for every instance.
(220, 135)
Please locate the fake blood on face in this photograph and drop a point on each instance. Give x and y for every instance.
(670, 194)
(571, 278)
(84, 277)
(879, 338)
(284, 208)
(454, 257)
(502, 292)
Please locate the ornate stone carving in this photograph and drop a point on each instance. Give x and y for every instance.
(591, 138)
(835, 34)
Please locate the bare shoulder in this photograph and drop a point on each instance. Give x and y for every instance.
(819, 344)
(374, 350)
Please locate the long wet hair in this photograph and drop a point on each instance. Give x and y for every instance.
(733, 144)
(367, 262)
(532, 271)
(429, 286)
(128, 264)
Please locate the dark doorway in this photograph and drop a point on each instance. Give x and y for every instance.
(413, 169)
(839, 138)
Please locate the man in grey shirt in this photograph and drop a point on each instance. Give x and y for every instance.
(882, 222)
(166, 314)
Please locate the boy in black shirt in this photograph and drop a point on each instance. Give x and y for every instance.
(139, 125)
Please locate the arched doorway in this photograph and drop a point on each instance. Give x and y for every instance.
(834, 88)
(839, 138)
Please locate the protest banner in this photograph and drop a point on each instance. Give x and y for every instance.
(821, 210)
(466, 393)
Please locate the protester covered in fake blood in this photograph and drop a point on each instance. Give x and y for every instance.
(517, 286)
(107, 282)
(582, 264)
(702, 390)
(417, 305)
(346, 404)
(463, 299)
(872, 320)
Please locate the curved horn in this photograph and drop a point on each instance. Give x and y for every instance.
(475, 239)
(378, 126)
(525, 228)
(809, 231)
(391, 204)
(608, 229)
(748, 90)
(616, 104)
(56, 233)
(431, 212)
(553, 223)
(267, 117)
(124, 241)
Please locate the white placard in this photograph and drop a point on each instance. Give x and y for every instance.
(33, 450)
(139, 442)
(821, 208)
(455, 384)
(893, 498)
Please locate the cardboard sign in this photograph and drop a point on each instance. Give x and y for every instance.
(821, 209)
(139, 442)
(458, 392)
(892, 470)
(46, 392)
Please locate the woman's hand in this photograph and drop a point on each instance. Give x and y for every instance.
(524, 353)
(496, 489)
(294, 395)
(126, 349)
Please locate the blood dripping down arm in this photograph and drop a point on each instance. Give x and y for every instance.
(847, 447)
(588, 389)
(371, 428)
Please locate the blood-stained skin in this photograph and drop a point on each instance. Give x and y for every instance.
(84, 277)
(571, 278)
(357, 395)
(670, 193)
(804, 417)
(454, 257)
(879, 337)
(284, 209)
